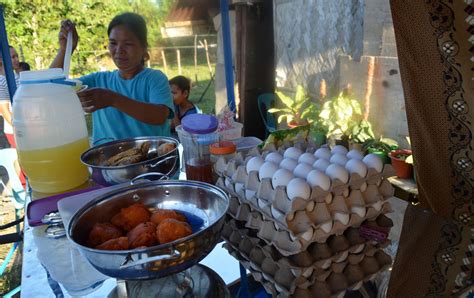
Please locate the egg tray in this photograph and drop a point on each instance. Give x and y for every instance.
(282, 278)
(349, 246)
(276, 233)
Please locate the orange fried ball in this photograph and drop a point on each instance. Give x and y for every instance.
(102, 232)
(171, 229)
(115, 244)
(132, 216)
(161, 214)
(142, 235)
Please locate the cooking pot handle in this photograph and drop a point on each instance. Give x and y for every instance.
(174, 254)
(175, 157)
(163, 177)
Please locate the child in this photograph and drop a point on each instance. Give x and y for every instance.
(180, 88)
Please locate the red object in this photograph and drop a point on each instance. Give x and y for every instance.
(11, 139)
(402, 169)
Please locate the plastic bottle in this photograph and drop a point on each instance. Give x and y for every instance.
(50, 131)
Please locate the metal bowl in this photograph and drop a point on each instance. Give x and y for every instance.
(164, 165)
(205, 206)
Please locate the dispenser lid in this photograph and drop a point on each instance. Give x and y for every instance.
(199, 123)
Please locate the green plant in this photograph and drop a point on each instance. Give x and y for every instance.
(298, 110)
(384, 145)
(362, 132)
(340, 115)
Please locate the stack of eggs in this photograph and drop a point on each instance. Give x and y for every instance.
(294, 197)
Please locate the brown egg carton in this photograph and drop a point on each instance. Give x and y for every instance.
(284, 238)
(349, 246)
(267, 267)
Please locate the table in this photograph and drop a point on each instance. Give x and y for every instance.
(405, 189)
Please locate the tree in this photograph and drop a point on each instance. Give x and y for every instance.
(33, 27)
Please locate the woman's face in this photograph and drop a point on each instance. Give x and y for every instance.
(15, 59)
(178, 95)
(125, 48)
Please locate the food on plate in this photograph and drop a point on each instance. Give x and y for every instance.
(102, 232)
(131, 216)
(114, 244)
(161, 214)
(141, 227)
(171, 229)
(165, 148)
(142, 235)
(129, 156)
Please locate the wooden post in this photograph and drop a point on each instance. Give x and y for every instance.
(165, 65)
(369, 86)
(178, 56)
(195, 59)
(207, 57)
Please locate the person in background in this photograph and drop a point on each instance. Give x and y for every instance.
(5, 106)
(24, 66)
(131, 101)
(180, 88)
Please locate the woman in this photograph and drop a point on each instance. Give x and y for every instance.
(129, 102)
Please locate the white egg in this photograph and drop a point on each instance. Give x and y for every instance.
(318, 178)
(293, 153)
(339, 149)
(307, 158)
(373, 161)
(267, 170)
(274, 157)
(336, 171)
(339, 159)
(254, 164)
(302, 170)
(355, 154)
(323, 153)
(281, 178)
(356, 166)
(321, 164)
(298, 187)
(288, 164)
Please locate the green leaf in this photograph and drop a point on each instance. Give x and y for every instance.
(286, 100)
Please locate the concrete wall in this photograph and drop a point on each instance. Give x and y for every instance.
(309, 37)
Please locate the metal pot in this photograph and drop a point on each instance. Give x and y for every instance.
(205, 206)
(165, 165)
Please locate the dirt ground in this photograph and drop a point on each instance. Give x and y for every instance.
(11, 278)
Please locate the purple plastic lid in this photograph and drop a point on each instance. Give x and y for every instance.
(199, 123)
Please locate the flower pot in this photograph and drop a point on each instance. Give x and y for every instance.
(383, 156)
(294, 124)
(402, 169)
(354, 145)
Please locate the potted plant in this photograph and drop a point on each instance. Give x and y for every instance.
(381, 147)
(340, 115)
(403, 169)
(318, 131)
(297, 111)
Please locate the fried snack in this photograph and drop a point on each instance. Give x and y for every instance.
(165, 148)
(171, 229)
(129, 156)
(102, 232)
(114, 244)
(142, 235)
(161, 214)
(130, 217)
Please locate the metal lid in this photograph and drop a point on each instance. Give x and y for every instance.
(199, 123)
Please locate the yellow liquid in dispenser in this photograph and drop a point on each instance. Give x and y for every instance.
(56, 169)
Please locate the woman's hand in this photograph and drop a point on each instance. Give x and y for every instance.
(94, 99)
(66, 26)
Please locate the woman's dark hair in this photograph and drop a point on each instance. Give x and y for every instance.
(183, 83)
(135, 23)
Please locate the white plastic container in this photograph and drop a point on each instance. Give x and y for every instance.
(50, 131)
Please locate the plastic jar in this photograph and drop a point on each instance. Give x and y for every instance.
(50, 131)
(196, 133)
(222, 149)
